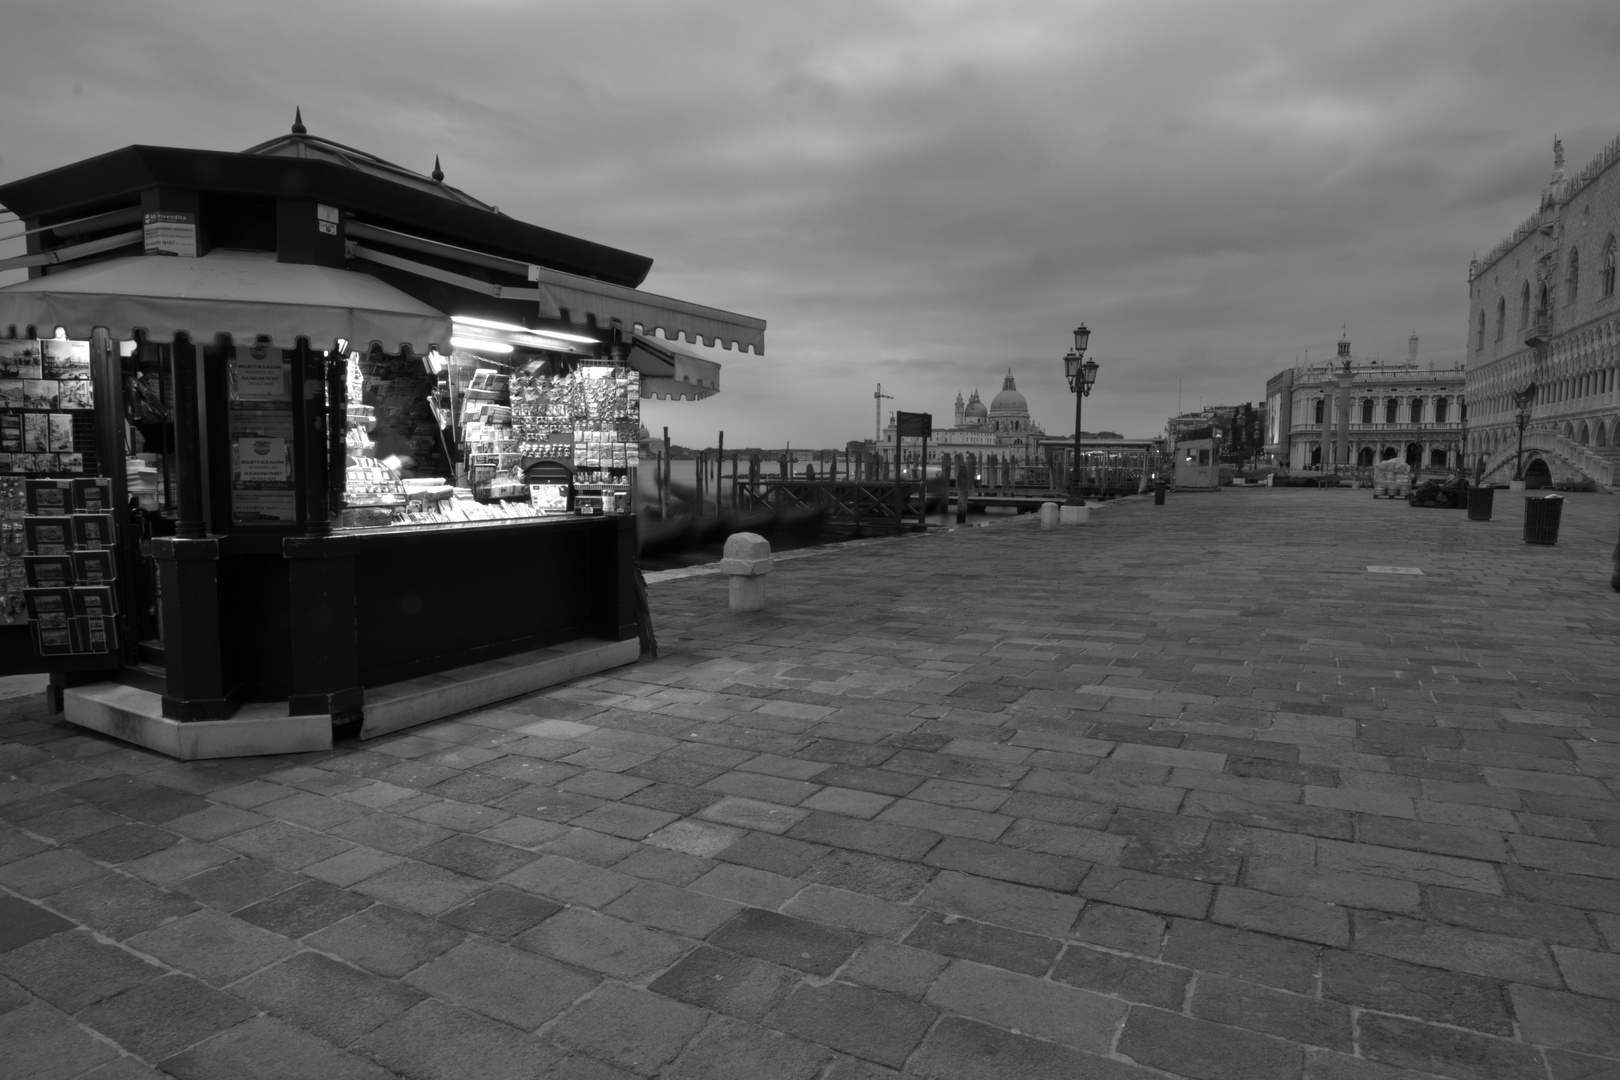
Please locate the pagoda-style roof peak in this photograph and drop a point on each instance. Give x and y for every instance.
(301, 144)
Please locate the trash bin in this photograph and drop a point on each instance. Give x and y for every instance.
(1614, 579)
(1541, 516)
(1479, 503)
(1158, 492)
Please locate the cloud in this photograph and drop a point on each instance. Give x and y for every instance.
(917, 194)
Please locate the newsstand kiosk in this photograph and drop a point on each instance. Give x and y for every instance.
(296, 438)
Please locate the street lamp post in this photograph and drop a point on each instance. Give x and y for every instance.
(1522, 399)
(1082, 374)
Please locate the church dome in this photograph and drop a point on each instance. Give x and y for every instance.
(1009, 402)
(975, 409)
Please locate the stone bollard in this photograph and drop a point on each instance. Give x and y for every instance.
(1074, 515)
(1049, 515)
(747, 559)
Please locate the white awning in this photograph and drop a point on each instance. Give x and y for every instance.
(668, 372)
(582, 300)
(245, 294)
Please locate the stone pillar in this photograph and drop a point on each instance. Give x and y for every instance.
(1346, 379)
(1325, 441)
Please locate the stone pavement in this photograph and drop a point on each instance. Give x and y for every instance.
(1188, 792)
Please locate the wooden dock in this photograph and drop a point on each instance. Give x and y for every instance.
(866, 506)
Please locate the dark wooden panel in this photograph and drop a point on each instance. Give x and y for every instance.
(438, 597)
(255, 612)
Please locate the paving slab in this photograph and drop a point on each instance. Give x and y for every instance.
(1210, 801)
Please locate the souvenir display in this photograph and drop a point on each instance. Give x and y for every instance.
(13, 569)
(57, 567)
(47, 407)
(493, 427)
(56, 528)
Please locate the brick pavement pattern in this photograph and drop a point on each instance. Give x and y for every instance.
(1188, 792)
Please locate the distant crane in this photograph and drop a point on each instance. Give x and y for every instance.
(877, 419)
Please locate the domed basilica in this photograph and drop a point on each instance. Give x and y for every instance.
(1004, 428)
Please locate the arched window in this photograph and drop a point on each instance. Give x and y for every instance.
(1501, 317)
(1606, 269)
(1524, 306)
(1391, 407)
(1366, 410)
(1479, 335)
(1318, 410)
(1440, 405)
(1572, 280)
(1417, 410)
(1542, 304)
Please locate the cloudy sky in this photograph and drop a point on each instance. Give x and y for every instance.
(922, 194)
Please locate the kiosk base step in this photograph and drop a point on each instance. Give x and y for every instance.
(136, 715)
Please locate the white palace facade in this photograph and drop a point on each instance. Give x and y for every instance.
(1544, 329)
(1352, 411)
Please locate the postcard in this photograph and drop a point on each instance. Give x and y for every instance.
(93, 567)
(59, 433)
(47, 535)
(65, 359)
(39, 393)
(96, 635)
(92, 494)
(50, 607)
(75, 394)
(49, 497)
(48, 571)
(20, 359)
(92, 531)
(68, 463)
(36, 433)
(53, 640)
(11, 393)
(93, 601)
